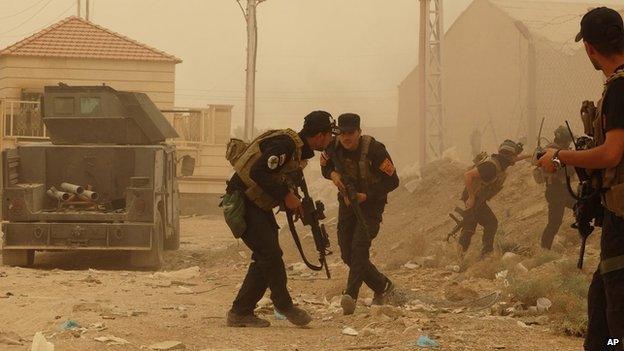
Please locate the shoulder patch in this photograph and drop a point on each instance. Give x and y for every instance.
(273, 162)
(387, 167)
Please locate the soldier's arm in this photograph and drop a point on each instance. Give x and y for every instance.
(276, 152)
(383, 166)
(469, 177)
(327, 165)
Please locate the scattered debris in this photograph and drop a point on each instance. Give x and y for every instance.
(40, 343)
(168, 345)
(10, 338)
(410, 265)
(182, 274)
(91, 279)
(349, 331)
(3, 274)
(543, 304)
(111, 340)
(69, 325)
(424, 341)
(279, 316)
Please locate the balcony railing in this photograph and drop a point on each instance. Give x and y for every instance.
(22, 119)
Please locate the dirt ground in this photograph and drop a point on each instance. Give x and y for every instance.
(95, 291)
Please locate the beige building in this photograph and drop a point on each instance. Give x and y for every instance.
(507, 64)
(78, 52)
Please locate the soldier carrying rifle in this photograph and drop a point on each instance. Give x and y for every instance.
(602, 32)
(483, 182)
(363, 172)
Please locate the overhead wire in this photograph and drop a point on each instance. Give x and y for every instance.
(28, 19)
(22, 11)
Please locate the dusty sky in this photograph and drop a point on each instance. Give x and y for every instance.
(338, 55)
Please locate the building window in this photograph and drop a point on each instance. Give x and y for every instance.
(90, 105)
(64, 105)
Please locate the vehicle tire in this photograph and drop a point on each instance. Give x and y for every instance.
(20, 258)
(152, 259)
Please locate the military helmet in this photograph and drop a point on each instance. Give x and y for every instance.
(510, 147)
(562, 135)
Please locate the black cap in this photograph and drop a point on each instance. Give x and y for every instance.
(318, 122)
(348, 122)
(601, 25)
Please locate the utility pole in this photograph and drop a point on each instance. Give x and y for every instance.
(250, 83)
(87, 10)
(78, 8)
(431, 108)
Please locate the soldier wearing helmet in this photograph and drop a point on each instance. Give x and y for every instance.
(483, 182)
(557, 194)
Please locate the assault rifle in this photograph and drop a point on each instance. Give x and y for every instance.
(312, 212)
(460, 222)
(588, 207)
(350, 192)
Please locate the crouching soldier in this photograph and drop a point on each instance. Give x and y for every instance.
(362, 164)
(261, 185)
(557, 194)
(483, 182)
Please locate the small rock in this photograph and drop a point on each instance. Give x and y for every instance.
(91, 279)
(40, 343)
(168, 345)
(543, 304)
(410, 265)
(499, 347)
(182, 290)
(502, 275)
(182, 274)
(507, 256)
(522, 324)
(349, 331)
(453, 268)
(366, 332)
(111, 340)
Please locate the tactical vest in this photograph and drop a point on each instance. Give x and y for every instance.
(252, 153)
(359, 170)
(612, 178)
(487, 190)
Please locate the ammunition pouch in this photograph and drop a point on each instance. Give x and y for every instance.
(611, 264)
(588, 115)
(233, 205)
(613, 199)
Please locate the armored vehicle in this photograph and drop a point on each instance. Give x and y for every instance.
(105, 181)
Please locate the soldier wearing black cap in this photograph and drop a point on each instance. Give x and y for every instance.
(602, 32)
(369, 168)
(259, 176)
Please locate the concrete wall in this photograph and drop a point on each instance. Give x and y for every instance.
(485, 61)
(157, 79)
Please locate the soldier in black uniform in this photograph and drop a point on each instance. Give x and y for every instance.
(260, 176)
(602, 32)
(557, 194)
(369, 167)
(483, 182)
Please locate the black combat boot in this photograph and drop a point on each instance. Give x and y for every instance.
(242, 321)
(348, 304)
(382, 298)
(297, 316)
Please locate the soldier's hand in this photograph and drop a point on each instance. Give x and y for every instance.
(292, 202)
(361, 197)
(337, 179)
(546, 160)
(470, 202)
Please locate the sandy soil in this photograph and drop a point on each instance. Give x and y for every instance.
(96, 291)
